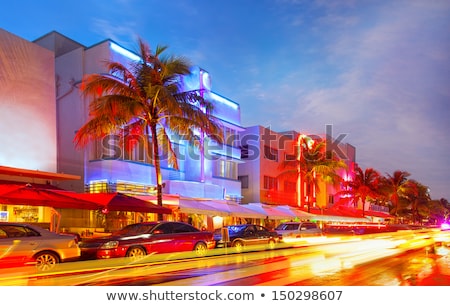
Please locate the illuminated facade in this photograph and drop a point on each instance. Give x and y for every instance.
(28, 124)
(27, 105)
(105, 166)
(264, 180)
(42, 108)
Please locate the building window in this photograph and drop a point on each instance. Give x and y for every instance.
(270, 153)
(134, 188)
(230, 137)
(226, 169)
(330, 199)
(290, 157)
(134, 149)
(107, 147)
(244, 181)
(98, 187)
(290, 186)
(270, 183)
(244, 152)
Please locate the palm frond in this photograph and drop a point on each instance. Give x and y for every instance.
(94, 129)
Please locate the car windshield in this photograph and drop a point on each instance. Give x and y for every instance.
(236, 228)
(135, 229)
(280, 227)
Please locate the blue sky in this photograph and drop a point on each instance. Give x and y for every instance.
(377, 71)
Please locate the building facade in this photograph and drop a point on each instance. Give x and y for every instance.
(27, 105)
(264, 179)
(42, 108)
(105, 166)
(28, 125)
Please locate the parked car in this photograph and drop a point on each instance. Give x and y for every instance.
(140, 239)
(298, 230)
(25, 244)
(242, 235)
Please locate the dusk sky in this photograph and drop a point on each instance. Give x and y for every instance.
(376, 71)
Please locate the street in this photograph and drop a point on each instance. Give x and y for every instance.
(394, 259)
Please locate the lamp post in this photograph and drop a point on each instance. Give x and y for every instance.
(299, 173)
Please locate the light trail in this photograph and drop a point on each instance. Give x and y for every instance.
(298, 261)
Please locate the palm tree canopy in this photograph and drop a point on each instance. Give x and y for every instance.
(397, 186)
(146, 94)
(365, 184)
(314, 164)
(145, 98)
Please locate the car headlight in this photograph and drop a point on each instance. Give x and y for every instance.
(110, 245)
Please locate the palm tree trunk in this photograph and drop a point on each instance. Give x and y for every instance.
(309, 193)
(157, 164)
(363, 199)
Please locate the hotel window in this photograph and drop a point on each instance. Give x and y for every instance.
(135, 148)
(134, 188)
(290, 157)
(98, 187)
(270, 153)
(270, 183)
(330, 199)
(244, 181)
(290, 186)
(106, 148)
(226, 169)
(244, 152)
(230, 137)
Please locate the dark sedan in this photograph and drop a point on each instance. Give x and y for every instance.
(243, 235)
(140, 239)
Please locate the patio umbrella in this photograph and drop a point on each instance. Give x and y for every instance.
(27, 194)
(117, 201)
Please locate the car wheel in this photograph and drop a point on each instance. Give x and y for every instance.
(200, 249)
(239, 246)
(46, 261)
(271, 244)
(136, 252)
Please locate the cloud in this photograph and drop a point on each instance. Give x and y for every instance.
(387, 87)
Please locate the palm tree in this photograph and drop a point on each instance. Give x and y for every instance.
(146, 99)
(418, 197)
(397, 186)
(436, 211)
(314, 166)
(366, 184)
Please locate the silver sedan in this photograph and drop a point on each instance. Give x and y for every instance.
(24, 244)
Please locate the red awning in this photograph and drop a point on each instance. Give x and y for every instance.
(121, 202)
(27, 194)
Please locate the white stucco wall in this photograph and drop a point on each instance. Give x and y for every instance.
(27, 105)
